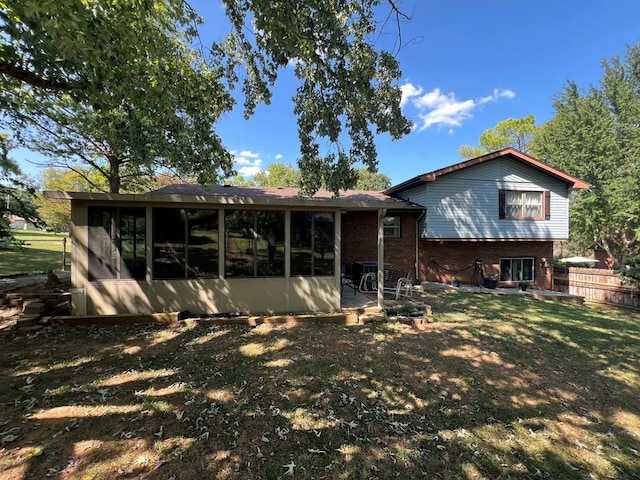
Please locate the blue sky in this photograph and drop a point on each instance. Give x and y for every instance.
(467, 65)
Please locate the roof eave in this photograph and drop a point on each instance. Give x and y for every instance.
(572, 182)
(232, 200)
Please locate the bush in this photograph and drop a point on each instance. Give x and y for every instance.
(630, 272)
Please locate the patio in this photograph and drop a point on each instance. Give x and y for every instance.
(367, 301)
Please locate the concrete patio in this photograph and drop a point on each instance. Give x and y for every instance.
(368, 301)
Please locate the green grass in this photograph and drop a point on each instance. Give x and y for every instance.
(499, 387)
(40, 252)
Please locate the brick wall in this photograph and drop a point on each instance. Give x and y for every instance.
(360, 241)
(440, 261)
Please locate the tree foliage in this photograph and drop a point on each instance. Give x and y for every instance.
(368, 180)
(518, 133)
(284, 175)
(16, 193)
(114, 85)
(594, 135)
(57, 213)
(126, 88)
(630, 271)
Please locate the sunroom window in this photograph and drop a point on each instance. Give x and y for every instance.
(117, 243)
(185, 243)
(312, 243)
(254, 243)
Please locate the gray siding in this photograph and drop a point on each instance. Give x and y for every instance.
(417, 195)
(464, 204)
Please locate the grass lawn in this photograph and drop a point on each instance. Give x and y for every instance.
(496, 387)
(41, 252)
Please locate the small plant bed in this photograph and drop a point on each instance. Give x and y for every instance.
(408, 310)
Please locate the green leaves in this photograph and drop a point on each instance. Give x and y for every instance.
(118, 85)
(114, 85)
(16, 191)
(595, 136)
(346, 93)
(518, 133)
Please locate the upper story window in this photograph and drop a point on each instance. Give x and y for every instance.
(524, 205)
(391, 226)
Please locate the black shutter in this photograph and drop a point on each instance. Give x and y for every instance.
(502, 210)
(547, 205)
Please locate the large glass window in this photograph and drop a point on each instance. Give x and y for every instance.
(516, 269)
(312, 243)
(254, 243)
(117, 243)
(185, 243)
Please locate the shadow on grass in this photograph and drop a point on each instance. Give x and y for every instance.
(496, 388)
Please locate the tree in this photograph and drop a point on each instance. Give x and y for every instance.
(518, 133)
(630, 272)
(368, 180)
(113, 85)
(594, 135)
(16, 193)
(278, 175)
(57, 213)
(120, 86)
(284, 175)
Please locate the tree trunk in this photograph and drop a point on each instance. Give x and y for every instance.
(114, 173)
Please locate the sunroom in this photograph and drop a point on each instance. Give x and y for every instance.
(212, 249)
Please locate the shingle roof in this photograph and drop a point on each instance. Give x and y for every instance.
(512, 153)
(280, 193)
(256, 196)
(264, 192)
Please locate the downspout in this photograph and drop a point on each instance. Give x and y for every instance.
(417, 265)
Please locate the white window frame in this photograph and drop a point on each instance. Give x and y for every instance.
(527, 202)
(391, 226)
(517, 276)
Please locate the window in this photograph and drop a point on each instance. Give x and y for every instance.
(524, 205)
(185, 243)
(312, 243)
(254, 244)
(117, 243)
(391, 226)
(516, 269)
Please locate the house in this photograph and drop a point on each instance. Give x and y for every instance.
(224, 249)
(494, 216)
(214, 249)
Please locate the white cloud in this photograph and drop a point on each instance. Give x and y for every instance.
(249, 162)
(408, 91)
(279, 156)
(438, 108)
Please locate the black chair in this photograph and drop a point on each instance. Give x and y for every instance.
(346, 279)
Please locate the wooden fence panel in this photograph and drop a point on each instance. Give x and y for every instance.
(595, 285)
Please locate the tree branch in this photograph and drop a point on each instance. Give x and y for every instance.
(32, 79)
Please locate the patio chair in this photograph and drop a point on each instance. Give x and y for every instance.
(346, 280)
(368, 283)
(404, 288)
